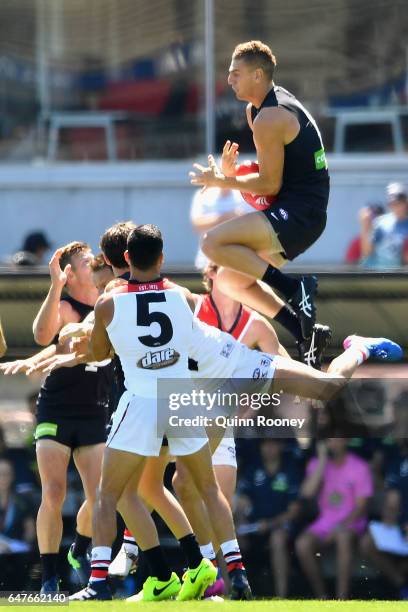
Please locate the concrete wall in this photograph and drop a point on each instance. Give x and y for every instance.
(78, 201)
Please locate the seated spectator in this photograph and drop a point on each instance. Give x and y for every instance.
(268, 507)
(17, 532)
(212, 207)
(384, 240)
(385, 544)
(21, 460)
(35, 245)
(343, 484)
(353, 252)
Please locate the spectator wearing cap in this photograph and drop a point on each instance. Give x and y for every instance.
(35, 245)
(384, 240)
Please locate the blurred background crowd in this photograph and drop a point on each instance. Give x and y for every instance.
(326, 518)
(104, 105)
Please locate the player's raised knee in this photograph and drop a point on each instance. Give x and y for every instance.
(210, 245)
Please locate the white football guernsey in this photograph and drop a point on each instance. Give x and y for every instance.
(154, 332)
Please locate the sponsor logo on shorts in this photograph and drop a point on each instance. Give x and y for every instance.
(320, 159)
(154, 360)
(227, 350)
(284, 214)
(45, 429)
(260, 373)
(232, 452)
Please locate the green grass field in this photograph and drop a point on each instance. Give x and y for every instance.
(275, 605)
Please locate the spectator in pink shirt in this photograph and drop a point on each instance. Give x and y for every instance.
(343, 484)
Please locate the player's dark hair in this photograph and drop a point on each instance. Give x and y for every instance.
(145, 245)
(257, 54)
(114, 243)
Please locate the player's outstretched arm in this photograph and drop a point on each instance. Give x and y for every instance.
(25, 365)
(66, 360)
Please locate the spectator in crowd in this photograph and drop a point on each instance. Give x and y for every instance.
(16, 514)
(35, 245)
(384, 240)
(17, 531)
(343, 484)
(211, 207)
(3, 345)
(385, 544)
(353, 252)
(20, 458)
(267, 501)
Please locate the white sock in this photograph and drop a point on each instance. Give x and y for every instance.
(231, 546)
(359, 352)
(207, 550)
(100, 561)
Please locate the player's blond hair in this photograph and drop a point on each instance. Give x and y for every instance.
(98, 263)
(257, 54)
(71, 249)
(207, 281)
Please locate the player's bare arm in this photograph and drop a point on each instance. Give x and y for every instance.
(77, 330)
(79, 354)
(100, 345)
(25, 365)
(3, 345)
(84, 329)
(54, 314)
(272, 129)
(262, 335)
